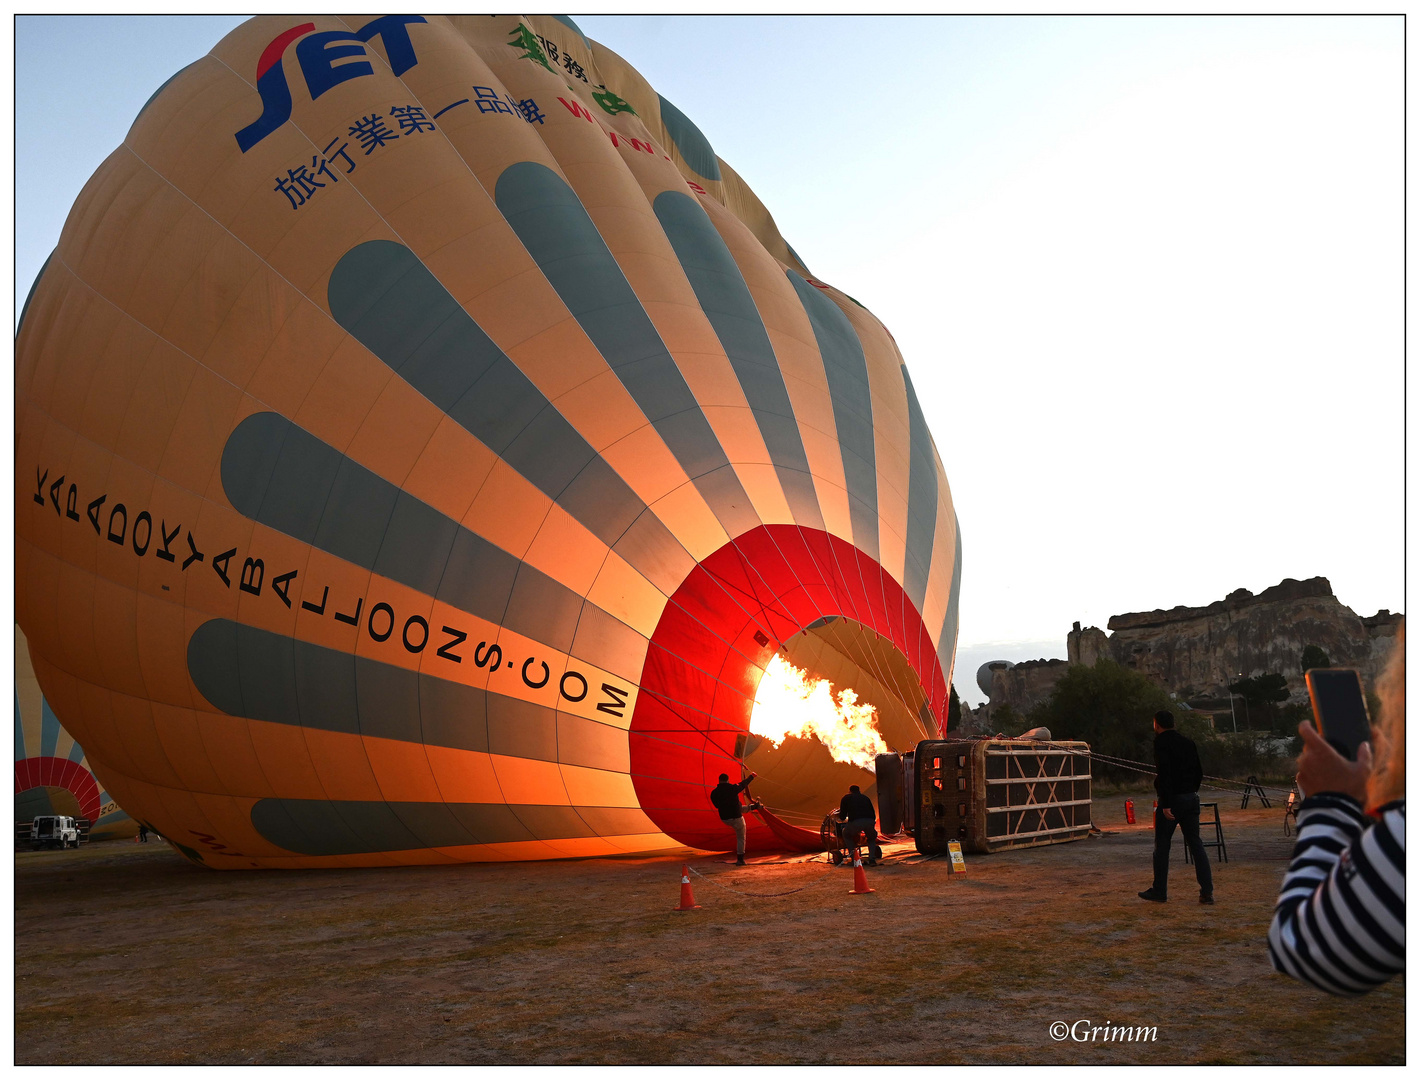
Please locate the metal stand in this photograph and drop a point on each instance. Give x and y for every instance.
(1217, 842)
(1254, 787)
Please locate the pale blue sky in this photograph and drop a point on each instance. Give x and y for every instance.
(1146, 273)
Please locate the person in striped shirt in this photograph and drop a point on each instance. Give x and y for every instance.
(1339, 923)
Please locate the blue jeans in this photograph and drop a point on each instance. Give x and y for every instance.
(1185, 817)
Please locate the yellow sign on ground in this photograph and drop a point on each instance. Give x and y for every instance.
(958, 863)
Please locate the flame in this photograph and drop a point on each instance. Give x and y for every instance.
(790, 702)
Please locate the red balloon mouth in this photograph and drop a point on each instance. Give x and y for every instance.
(36, 772)
(709, 650)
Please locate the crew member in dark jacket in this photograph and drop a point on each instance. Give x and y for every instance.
(1179, 774)
(726, 797)
(856, 811)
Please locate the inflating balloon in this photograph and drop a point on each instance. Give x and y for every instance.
(425, 442)
(52, 773)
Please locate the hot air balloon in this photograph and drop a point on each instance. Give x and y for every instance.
(426, 443)
(52, 773)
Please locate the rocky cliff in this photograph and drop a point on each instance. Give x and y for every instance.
(1023, 685)
(1195, 652)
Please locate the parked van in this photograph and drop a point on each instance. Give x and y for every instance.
(54, 831)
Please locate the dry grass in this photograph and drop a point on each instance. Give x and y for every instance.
(158, 961)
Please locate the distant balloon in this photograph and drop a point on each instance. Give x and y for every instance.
(52, 774)
(986, 670)
(424, 443)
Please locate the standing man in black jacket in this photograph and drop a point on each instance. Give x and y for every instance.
(725, 797)
(1179, 774)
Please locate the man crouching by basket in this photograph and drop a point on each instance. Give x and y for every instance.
(859, 819)
(726, 797)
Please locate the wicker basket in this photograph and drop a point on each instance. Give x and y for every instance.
(994, 794)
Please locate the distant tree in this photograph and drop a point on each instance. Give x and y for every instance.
(1109, 706)
(954, 710)
(1112, 708)
(1288, 717)
(1006, 721)
(1263, 693)
(1314, 656)
(1266, 689)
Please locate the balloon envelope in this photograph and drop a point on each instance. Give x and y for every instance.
(424, 442)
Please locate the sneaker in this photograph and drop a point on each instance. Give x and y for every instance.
(1205, 898)
(1155, 897)
(739, 860)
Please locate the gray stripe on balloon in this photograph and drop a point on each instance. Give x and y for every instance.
(727, 303)
(49, 726)
(921, 499)
(947, 643)
(263, 675)
(245, 671)
(556, 230)
(797, 258)
(694, 147)
(24, 310)
(321, 827)
(384, 297)
(847, 370)
(281, 475)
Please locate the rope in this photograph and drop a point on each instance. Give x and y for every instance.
(815, 819)
(1130, 765)
(828, 873)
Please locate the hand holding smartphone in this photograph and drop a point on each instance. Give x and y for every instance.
(1340, 708)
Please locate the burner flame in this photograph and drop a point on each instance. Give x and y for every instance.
(790, 702)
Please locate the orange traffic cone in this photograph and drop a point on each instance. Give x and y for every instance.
(860, 879)
(687, 898)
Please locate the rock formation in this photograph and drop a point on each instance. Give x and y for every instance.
(1194, 653)
(1087, 645)
(1023, 685)
(1197, 652)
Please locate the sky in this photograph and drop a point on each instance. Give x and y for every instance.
(1146, 273)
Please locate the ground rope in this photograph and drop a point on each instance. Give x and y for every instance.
(741, 892)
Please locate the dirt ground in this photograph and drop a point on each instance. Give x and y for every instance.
(127, 954)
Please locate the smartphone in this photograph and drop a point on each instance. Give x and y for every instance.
(1340, 708)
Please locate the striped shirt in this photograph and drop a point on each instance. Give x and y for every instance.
(1339, 923)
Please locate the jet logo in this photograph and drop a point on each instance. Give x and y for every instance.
(317, 55)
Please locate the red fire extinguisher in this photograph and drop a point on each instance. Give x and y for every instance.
(1129, 811)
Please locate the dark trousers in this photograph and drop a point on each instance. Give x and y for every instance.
(855, 830)
(1185, 817)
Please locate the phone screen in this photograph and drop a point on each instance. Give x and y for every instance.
(1340, 708)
